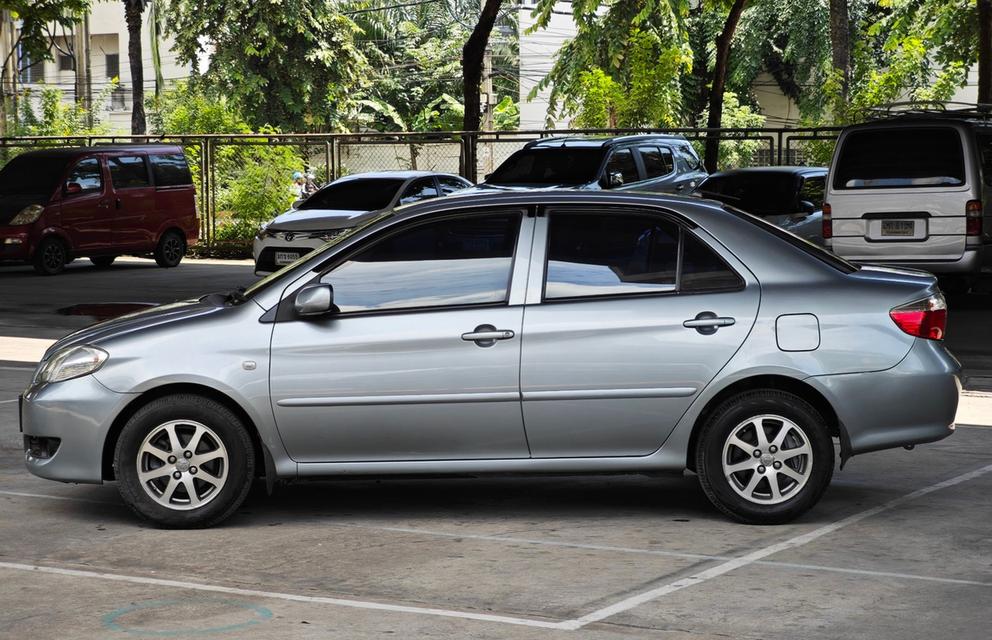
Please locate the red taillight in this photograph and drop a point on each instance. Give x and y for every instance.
(828, 223)
(973, 218)
(925, 318)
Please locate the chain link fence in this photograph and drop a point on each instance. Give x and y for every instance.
(216, 160)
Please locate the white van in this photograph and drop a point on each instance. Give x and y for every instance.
(916, 191)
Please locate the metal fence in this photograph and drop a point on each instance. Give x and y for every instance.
(471, 154)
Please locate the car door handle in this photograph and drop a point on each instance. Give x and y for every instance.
(486, 335)
(118, 203)
(708, 322)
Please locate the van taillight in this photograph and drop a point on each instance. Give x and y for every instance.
(973, 218)
(828, 223)
(925, 318)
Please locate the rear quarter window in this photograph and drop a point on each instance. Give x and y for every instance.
(900, 158)
(170, 170)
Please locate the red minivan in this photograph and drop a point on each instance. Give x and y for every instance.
(98, 202)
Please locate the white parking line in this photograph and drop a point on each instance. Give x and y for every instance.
(8, 401)
(21, 494)
(708, 574)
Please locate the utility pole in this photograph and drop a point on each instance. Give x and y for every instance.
(87, 71)
(486, 98)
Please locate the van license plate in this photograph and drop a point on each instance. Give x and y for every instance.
(899, 228)
(286, 257)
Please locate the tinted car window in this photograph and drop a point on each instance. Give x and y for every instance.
(364, 194)
(419, 190)
(703, 270)
(985, 156)
(86, 174)
(763, 193)
(594, 255)
(812, 191)
(449, 262)
(899, 158)
(549, 166)
(170, 170)
(128, 172)
(658, 161)
(622, 162)
(688, 155)
(450, 185)
(30, 174)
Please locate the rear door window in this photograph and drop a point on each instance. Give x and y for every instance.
(899, 158)
(128, 172)
(658, 161)
(170, 170)
(87, 175)
(622, 162)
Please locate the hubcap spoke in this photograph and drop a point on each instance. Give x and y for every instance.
(787, 454)
(788, 471)
(161, 472)
(740, 444)
(194, 499)
(759, 432)
(746, 465)
(752, 485)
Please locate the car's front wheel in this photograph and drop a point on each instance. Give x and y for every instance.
(184, 461)
(765, 457)
(50, 257)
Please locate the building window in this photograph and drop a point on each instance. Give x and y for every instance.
(112, 62)
(66, 63)
(30, 71)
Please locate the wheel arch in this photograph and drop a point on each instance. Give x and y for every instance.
(777, 382)
(113, 434)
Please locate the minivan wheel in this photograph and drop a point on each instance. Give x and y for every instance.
(50, 257)
(184, 461)
(103, 261)
(170, 250)
(765, 457)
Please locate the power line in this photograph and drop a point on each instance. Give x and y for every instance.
(388, 7)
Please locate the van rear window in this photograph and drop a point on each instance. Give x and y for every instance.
(170, 170)
(899, 158)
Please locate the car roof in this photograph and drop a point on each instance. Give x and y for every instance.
(399, 174)
(795, 170)
(72, 152)
(601, 141)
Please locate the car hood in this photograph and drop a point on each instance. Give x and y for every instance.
(140, 320)
(319, 219)
(12, 204)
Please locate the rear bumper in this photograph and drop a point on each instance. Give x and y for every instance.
(264, 251)
(911, 403)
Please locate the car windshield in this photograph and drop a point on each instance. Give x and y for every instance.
(761, 193)
(549, 166)
(31, 174)
(362, 194)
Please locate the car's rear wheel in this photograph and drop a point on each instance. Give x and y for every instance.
(50, 257)
(765, 457)
(103, 261)
(184, 461)
(171, 249)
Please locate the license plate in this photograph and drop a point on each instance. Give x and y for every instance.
(286, 257)
(899, 228)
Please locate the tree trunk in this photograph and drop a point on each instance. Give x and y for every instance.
(132, 13)
(719, 82)
(840, 43)
(473, 54)
(985, 51)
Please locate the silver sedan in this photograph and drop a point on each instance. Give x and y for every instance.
(513, 333)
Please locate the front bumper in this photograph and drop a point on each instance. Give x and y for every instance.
(79, 412)
(911, 403)
(15, 243)
(264, 251)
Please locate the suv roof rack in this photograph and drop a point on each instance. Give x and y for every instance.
(933, 108)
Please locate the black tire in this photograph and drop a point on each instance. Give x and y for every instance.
(50, 257)
(102, 261)
(218, 503)
(170, 250)
(733, 416)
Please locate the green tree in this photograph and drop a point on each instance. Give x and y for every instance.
(284, 63)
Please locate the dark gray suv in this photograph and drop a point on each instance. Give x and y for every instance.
(664, 163)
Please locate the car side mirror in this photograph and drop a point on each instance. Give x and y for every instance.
(486, 177)
(72, 188)
(296, 203)
(314, 300)
(613, 179)
(807, 207)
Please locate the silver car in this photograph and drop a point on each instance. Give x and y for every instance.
(545, 332)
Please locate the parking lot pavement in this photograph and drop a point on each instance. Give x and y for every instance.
(898, 548)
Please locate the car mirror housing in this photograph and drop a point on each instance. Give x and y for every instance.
(612, 180)
(72, 188)
(314, 300)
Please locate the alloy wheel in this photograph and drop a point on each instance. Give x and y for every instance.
(767, 459)
(182, 464)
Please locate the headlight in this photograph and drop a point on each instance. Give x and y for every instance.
(260, 234)
(71, 362)
(27, 215)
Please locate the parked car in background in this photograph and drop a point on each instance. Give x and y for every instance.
(99, 202)
(341, 205)
(663, 163)
(914, 190)
(551, 332)
(788, 197)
